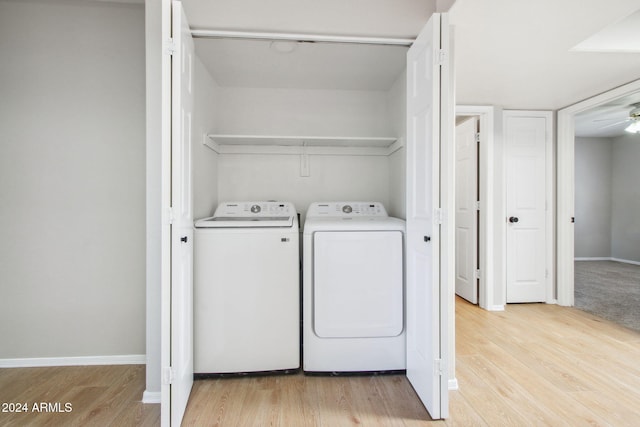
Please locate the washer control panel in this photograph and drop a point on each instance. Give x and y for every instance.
(347, 209)
(255, 209)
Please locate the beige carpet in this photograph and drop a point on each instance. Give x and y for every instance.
(610, 290)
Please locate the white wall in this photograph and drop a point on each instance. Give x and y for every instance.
(302, 112)
(72, 179)
(397, 110)
(277, 177)
(593, 197)
(625, 207)
(204, 160)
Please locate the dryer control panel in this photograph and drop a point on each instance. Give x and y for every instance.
(347, 209)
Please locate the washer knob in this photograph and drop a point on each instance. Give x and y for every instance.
(255, 209)
(347, 209)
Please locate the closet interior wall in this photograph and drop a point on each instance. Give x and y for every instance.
(297, 112)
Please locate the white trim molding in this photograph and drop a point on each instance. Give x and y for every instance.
(624, 261)
(127, 359)
(566, 186)
(486, 115)
(151, 397)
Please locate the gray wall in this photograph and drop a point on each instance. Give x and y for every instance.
(607, 198)
(625, 207)
(72, 179)
(593, 197)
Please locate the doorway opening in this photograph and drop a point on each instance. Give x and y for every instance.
(484, 179)
(566, 214)
(606, 204)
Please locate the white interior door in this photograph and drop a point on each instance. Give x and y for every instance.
(466, 209)
(181, 370)
(526, 139)
(426, 322)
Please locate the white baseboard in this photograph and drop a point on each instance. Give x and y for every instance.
(453, 384)
(625, 261)
(127, 359)
(498, 307)
(151, 397)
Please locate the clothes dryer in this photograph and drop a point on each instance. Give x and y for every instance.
(353, 289)
(247, 289)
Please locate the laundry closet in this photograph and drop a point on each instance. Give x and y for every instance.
(304, 120)
(298, 121)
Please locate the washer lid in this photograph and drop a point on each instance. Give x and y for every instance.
(251, 215)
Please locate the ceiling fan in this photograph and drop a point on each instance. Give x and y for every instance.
(634, 118)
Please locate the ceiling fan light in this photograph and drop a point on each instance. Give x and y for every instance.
(634, 127)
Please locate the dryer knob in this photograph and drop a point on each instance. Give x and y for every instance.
(347, 209)
(255, 208)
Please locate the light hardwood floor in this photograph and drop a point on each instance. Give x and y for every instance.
(98, 395)
(532, 364)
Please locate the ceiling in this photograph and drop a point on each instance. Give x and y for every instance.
(516, 54)
(232, 62)
(335, 66)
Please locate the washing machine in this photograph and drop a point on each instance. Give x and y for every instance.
(353, 289)
(247, 289)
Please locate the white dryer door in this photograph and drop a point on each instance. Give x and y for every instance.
(358, 284)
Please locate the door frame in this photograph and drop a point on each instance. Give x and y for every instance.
(488, 286)
(161, 149)
(566, 186)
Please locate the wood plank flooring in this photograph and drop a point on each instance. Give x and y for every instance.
(537, 364)
(97, 395)
(533, 364)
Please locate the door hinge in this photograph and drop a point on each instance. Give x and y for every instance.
(441, 57)
(438, 367)
(169, 46)
(477, 136)
(476, 274)
(170, 216)
(438, 215)
(477, 205)
(167, 375)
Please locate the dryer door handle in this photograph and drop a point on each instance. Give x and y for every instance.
(427, 238)
(184, 239)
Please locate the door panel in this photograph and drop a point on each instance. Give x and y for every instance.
(425, 320)
(181, 322)
(526, 144)
(466, 212)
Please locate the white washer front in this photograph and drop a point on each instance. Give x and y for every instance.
(246, 289)
(353, 289)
